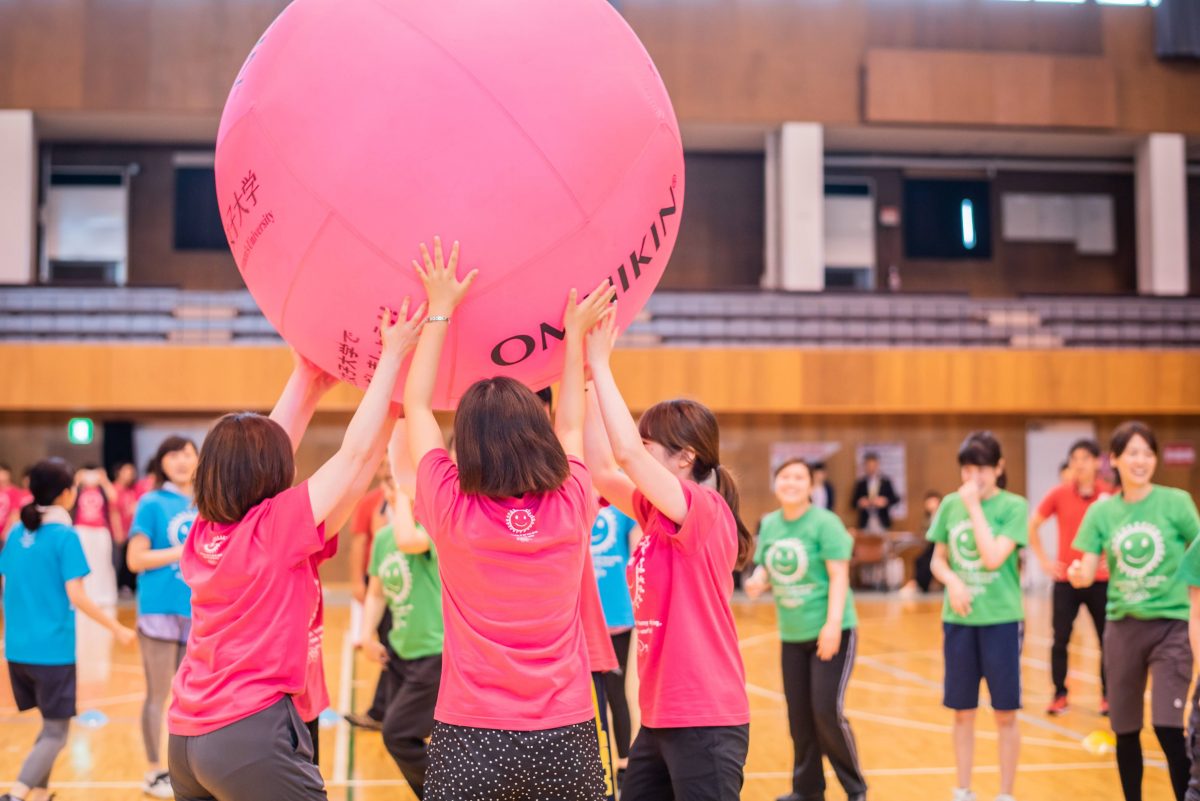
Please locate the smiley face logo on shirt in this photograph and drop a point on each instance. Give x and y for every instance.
(521, 522)
(604, 531)
(963, 549)
(396, 577)
(180, 525)
(787, 562)
(1138, 549)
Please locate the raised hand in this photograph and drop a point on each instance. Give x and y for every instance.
(580, 317)
(442, 288)
(602, 337)
(400, 336)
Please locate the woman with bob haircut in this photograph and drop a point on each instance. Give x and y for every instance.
(511, 523)
(1145, 530)
(236, 732)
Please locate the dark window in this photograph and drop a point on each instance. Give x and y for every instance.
(197, 215)
(947, 219)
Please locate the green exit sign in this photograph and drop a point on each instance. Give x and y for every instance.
(80, 431)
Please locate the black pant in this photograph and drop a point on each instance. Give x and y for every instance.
(614, 689)
(383, 687)
(408, 719)
(314, 732)
(125, 576)
(1193, 742)
(816, 692)
(1067, 601)
(923, 569)
(698, 763)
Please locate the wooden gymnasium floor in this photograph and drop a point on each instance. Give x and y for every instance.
(893, 704)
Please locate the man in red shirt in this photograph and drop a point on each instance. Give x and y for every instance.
(1069, 502)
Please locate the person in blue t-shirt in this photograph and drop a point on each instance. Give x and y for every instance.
(43, 567)
(161, 523)
(613, 537)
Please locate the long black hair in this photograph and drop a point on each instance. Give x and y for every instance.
(48, 479)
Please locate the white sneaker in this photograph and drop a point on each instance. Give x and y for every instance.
(963, 794)
(158, 785)
(1005, 797)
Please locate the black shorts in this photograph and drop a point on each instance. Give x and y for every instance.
(50, 688)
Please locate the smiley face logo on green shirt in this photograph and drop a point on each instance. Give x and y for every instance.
(963, 549)
(396, 577)
(787, 562)
(1139, 549)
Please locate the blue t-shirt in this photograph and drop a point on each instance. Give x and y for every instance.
(39, 623)
(164, 517)
(610, 555)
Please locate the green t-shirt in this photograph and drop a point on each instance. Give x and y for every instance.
(1145, 544)
(413, 589)
(794, 553)
(995, 594)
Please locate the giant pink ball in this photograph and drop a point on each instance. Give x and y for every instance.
(538, 133)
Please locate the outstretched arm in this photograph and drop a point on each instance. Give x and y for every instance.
(336, 484)
(444, 292)
(654, 480)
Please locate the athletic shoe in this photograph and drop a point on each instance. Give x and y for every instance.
(1058, 706)
(1104, 707)
(1005, 797)
(363, 721)
(963, 794)
(158, 785)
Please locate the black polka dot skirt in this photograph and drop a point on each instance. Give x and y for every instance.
(467, 764)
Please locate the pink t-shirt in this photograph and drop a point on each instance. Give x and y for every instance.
(515, 652)
(681, 579)
(254, 601)
(10, 504)
(315, 698)
(91, 508)
(601, 656)
(127, 498)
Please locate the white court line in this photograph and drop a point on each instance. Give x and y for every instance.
(900, 673)
(341, 747)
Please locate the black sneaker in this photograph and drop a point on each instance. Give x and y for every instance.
(363, 721)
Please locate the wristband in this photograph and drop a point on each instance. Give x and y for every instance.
(437, 318)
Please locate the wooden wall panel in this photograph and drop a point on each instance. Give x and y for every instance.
(971, 88)
(149, 378)
(751, 61)
(721, 236)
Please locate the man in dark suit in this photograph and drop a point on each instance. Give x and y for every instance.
(874, 497)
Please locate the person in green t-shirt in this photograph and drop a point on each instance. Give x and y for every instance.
(403, 575)
(803, 556)
(976, 533)
(1145, 530)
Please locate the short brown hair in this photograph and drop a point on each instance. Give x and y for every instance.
(506, 443)
(246, 458)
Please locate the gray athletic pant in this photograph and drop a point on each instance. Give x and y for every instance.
(265, 757)
(35, 771)
(160, 660)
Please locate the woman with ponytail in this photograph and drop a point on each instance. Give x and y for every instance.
(665, 471)
(43, 567)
